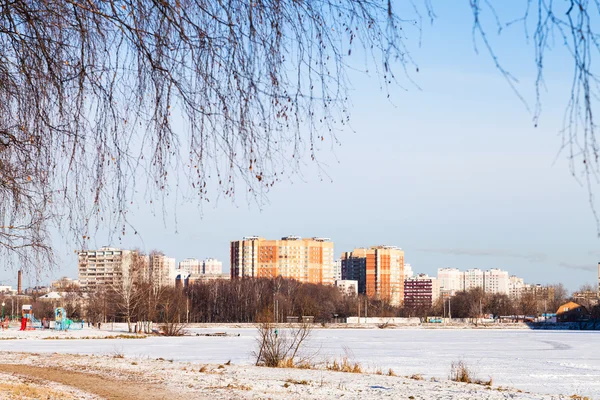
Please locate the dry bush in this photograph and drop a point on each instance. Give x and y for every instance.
(281, 348)
(345, 365)
(460, 372)
(416, 377)
(391, 372)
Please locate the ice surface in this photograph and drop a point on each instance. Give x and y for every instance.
(554, 362)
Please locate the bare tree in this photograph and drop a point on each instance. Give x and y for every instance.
(282, 347)
(127, 293)
(95, 96)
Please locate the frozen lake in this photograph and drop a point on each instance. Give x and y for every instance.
(555, 362)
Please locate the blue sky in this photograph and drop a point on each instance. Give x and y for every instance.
(453, 171)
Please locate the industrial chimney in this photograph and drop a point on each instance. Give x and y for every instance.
(20, 282)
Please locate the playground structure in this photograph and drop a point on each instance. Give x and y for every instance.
(62, 323)
(28, 320)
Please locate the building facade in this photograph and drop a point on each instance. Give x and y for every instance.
(190, 266)
(515, 287)
(472, 279)
(305, 260)
(337, 270)
(450, 280)
(348, 287)
(106, 267)
(212, 266)
(161, 271)
(496, 281)
(379, 271)
(420, 292)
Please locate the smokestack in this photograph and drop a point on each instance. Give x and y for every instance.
(20, 282)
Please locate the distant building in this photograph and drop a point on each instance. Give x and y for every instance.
(450, 280)
(496, 281)
(104, 267)
(7, 289)
(379, 271)
(185, 280)
(337, 270)
(472, 279)
(515, 287)
(190, 266)
(348, 287)
(302, 259)
(211, 266)
(161, 270)
(420, 292)
(539, 292)
(572, 312)
(586, 297)
(64, 284)
(408, 271)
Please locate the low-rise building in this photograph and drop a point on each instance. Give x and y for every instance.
(572, 312)
(348, 287)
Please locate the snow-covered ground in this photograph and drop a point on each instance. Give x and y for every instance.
(555, 362)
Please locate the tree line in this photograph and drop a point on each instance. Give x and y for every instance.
(141, 303)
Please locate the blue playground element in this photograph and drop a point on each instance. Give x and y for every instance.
(35, 323)
(62, 323)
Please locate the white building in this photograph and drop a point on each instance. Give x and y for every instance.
(348, 287)
(408, 271)
(162, 270)
(450, 280)
(190, 266)
(515, 287)
(473, 278)
(337, 270)
(211, 266)
(496, 281)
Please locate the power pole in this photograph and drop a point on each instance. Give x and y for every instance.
(450, 307)
(366, 309)
(358, 310)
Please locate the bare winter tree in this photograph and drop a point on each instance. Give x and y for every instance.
(128, 293)
(96, 95)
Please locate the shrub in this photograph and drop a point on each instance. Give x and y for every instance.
(281, 348)
(460, 372)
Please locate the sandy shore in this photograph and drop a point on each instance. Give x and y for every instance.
(95, 377)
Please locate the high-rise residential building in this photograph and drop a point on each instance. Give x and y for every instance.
(420, 292)
(496, 281)
(379, 271)
(473, 278)
(450, 280)
(190, 266)
(408, 271)
(515, 287)
(161, 270)
(337, 270)
(212, 266)
(106, 267)
(302, 259)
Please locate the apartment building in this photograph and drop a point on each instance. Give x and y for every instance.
(408, 271)
(515, 287)
(379, 271)
(348, 287)
(305, 260)
(106, 267)
(450, 280)
(496, 281)
(420, 292)
(161, 271)
(190, 266)
(337, 270)
(212, 266)
(473, 278)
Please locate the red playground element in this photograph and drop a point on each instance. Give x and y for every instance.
(27, 318)
(23, 323)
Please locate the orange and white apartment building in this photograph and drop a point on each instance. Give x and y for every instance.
(305, 260)
(379, 271)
